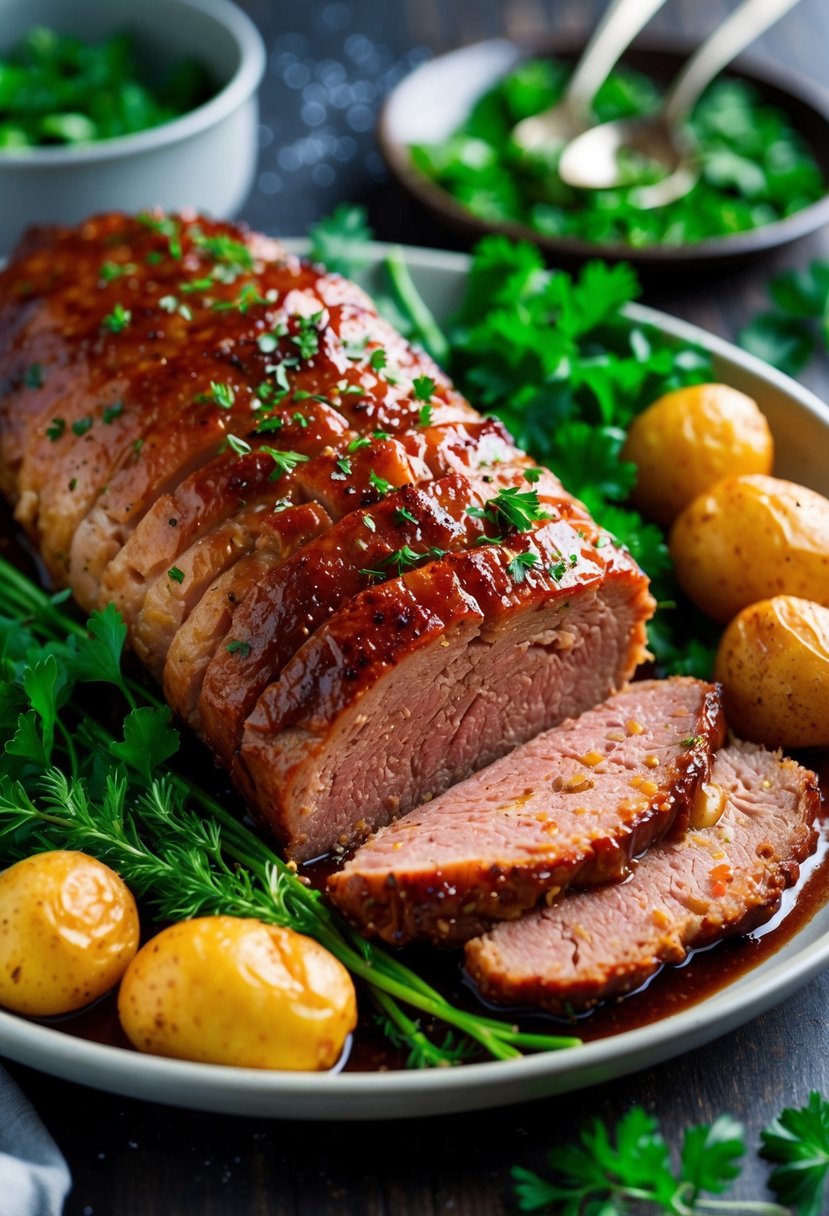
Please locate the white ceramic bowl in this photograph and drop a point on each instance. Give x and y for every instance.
(205, 159)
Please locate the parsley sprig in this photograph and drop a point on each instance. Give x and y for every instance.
(604, 1174)
(798, 326)
(71, 779)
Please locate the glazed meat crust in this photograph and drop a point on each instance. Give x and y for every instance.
(291, 506)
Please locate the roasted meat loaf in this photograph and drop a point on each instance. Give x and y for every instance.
(710, 883)
(354, 587)
(573, 807)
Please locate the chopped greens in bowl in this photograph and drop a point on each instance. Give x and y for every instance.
(56, 89)
(756, 168)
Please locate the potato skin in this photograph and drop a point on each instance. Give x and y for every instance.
(773, 662)
(226, 990)
(68, 929)
(750, 538)
(691, 438)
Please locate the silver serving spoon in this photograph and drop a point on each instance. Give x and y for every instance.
(621, 22)
(591, 160)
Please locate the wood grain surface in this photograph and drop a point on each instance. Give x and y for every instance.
(330, 62)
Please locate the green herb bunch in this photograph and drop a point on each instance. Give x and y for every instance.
(604, 1174)
(755, 168)
(76, 773)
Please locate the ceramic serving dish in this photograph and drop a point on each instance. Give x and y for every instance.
(430, 103)
(205, 159)
(800, 423)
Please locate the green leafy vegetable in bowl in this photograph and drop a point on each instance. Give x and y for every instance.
(57, 89)
(755, 167)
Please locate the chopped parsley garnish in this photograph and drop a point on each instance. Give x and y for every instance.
(227, 252)
(378, 360)
(423, 388)
(224, 395)
(520, 564)
(299, 419)
(381, 434)
(344, 467)
(175, 574)
(240, 446)
(362, 441)
(518, 509)
(165, 226)
(240, 648)
(424, 415)
(117, 320)
(403, 559)
(33, 376)
(284, 461)
(268, 425)
(110, 271)
(380, 484)
(558, 571)
(111, 412)
(307, 338)
(532, 475)
(692, 741)
(81, 426)
(403, 515)
(56, 428)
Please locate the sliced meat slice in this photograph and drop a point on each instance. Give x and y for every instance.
(170, 600)
(573, 806)
(422, 680)
(178, 476)
(155, 544)
(684, 894)
(284, 607)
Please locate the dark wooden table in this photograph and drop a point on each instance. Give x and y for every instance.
(330, 63)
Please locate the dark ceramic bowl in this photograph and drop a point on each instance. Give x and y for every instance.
(435, 99)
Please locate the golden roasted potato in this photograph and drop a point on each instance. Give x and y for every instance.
(750, 538)
(68, 929)
(224, 990)
(691, 438)
(773, 662)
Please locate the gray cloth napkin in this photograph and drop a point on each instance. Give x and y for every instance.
(34, 1178)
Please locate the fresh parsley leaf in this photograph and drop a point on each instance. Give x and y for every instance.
(380, 484)
(117, 320)
(785, 342)
(81, 426)
(423, 388)
(236, 647)
(711, 1156)
(798, 1142)
(148, 741)
(175, 575)
(111, 412)
(33, 376)
(97, 656)
(56, 429)
(520, 564)
(283, 461)
(339, 241)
